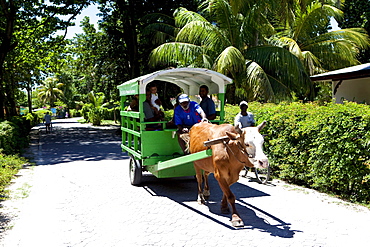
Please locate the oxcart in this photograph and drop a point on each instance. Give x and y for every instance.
(158, 151)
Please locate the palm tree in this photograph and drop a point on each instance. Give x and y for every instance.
(237, 38)
(50, 92)
(319, 50)
(94, 110)
(232, 43)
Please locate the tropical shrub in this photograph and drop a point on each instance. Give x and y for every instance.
(33, 118)
(95, 111)
(9, 166)
(74, 113)
(321, 147)
(13, 135)
(95, 115)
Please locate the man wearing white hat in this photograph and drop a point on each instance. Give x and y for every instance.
(243, 118)
(186, 114)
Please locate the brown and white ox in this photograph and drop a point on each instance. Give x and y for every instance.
(237, 148)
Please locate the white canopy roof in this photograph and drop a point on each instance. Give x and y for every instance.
(189, 79)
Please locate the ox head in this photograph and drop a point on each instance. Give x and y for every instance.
(250, 141)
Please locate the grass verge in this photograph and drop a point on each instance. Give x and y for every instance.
(10, 165)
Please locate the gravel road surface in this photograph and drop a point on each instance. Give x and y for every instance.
(78, 194)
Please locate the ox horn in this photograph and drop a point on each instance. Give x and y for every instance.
(261, 126)
(238, 128)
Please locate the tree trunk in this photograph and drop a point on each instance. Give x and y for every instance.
(2, 98)
(129, 20)
(9, 13)
(10, 99)
(29, 96)
(230, 94)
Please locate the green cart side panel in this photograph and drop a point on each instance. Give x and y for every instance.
(159, 143)
(130, 87)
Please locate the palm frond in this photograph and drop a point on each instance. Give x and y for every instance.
(160, 32)
(315, 18)
(356, 36)
(184, 16)
(282, 65)
(288, 43)
(176, 54)
(338, 49)
(230, 61)
(311, 63)
(257, 82)
(203, 34)
(254, 26)
(226, 19)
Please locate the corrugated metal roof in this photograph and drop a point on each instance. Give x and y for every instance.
(358, 71)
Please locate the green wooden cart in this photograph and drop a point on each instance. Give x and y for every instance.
(158, 151)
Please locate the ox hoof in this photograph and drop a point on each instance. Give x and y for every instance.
(201, 200)
(236, 221)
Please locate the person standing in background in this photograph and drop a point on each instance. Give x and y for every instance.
(244, 118)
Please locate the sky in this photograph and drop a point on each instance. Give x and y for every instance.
(91, 12)
(334, 24)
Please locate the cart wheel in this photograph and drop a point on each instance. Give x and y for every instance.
(135, 171)
(262, 174)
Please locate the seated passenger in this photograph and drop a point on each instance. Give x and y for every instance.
(151, 113)
(155, 101)
(134, 104)
(207, 103)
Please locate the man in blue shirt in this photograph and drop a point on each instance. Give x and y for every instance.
(186, 114)
(207, 103)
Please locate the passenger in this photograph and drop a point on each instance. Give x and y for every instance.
(134, 104)
(151, 113)
(243, 118)
(155, 101)
(186, 114)
(207, 103)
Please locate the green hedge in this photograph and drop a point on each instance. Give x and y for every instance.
(14, 135)
(13, 138)
(322, 147)
(9, 166)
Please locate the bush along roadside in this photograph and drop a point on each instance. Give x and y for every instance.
(321, 147)
(10, 165)
(13, 139)
(14, 135)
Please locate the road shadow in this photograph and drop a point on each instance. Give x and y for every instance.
(4, 223)
(184, 190)
(67, 144)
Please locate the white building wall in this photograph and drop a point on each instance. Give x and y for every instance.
(357, 90)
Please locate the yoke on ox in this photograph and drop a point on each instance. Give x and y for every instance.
(232, 149)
